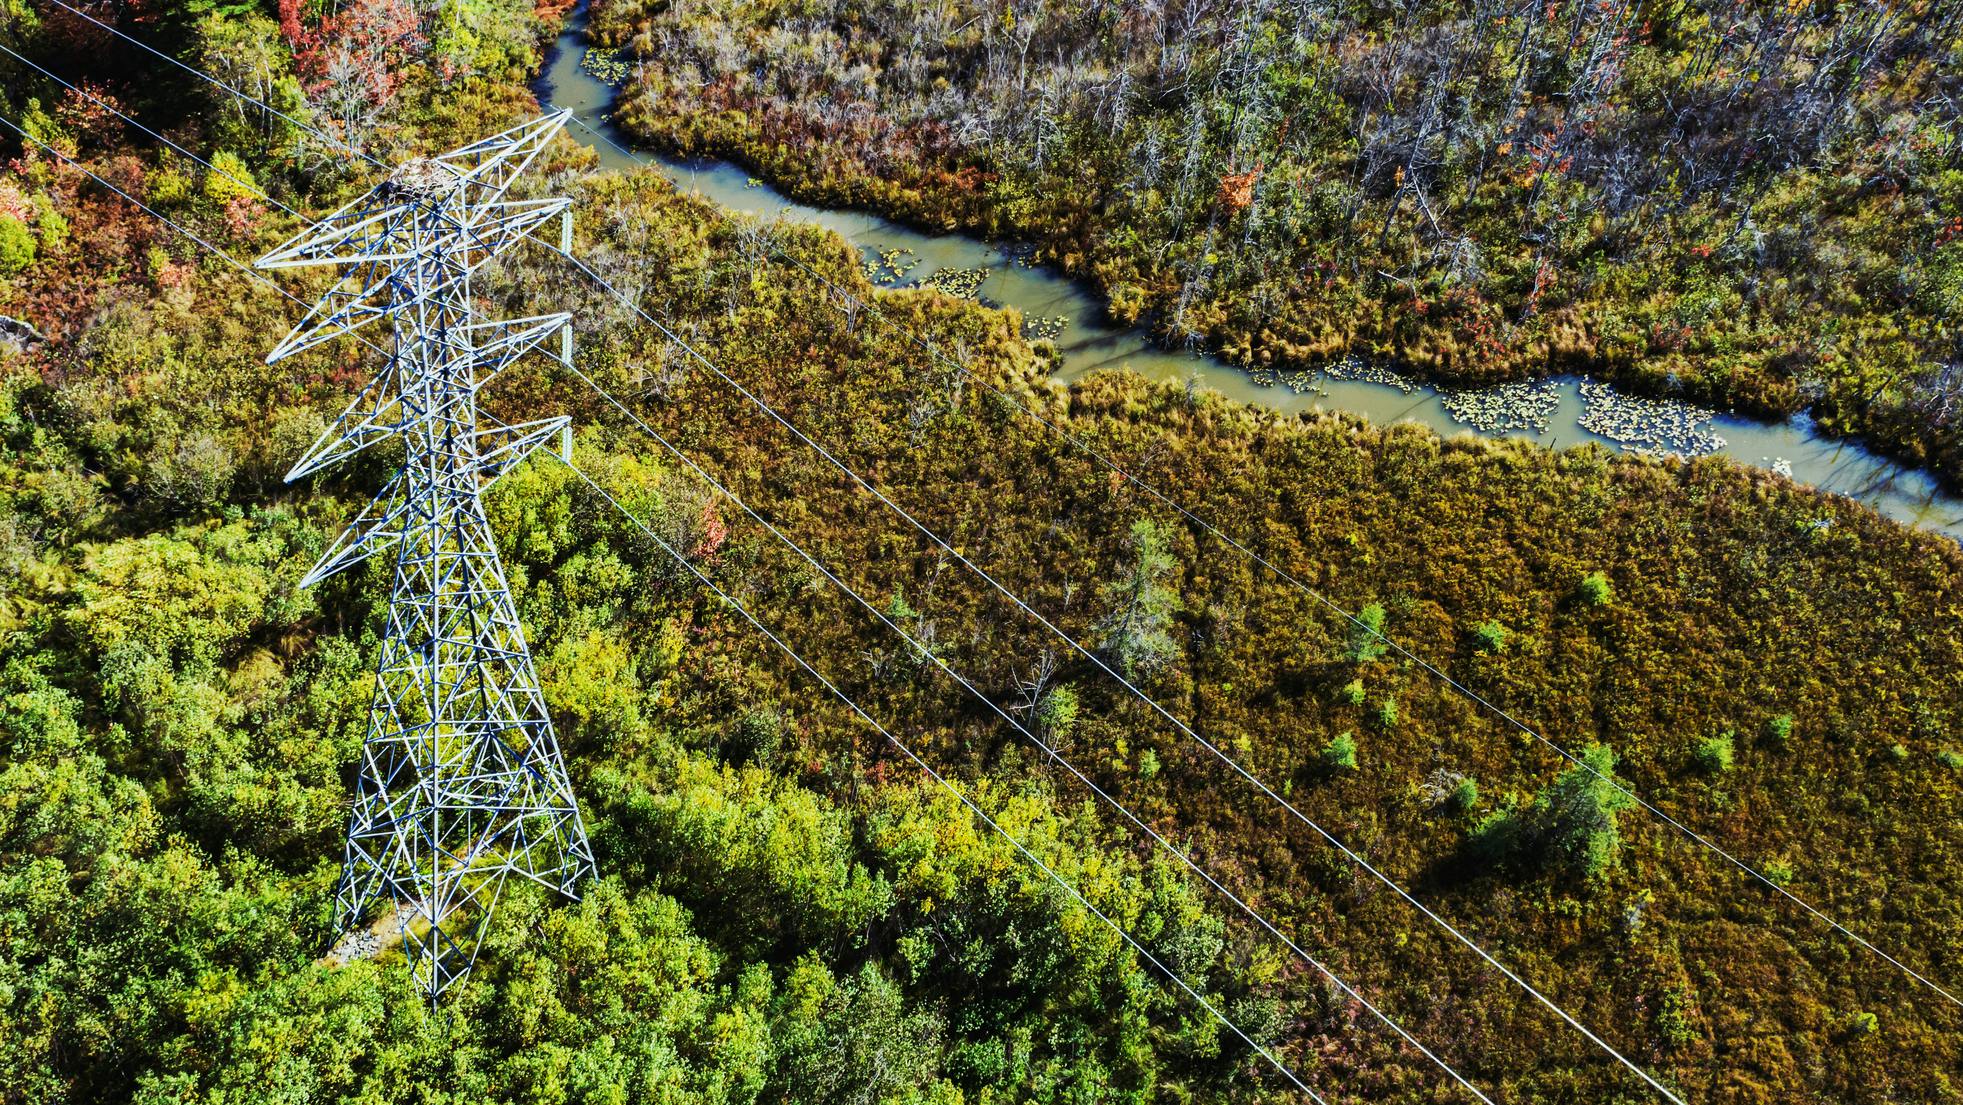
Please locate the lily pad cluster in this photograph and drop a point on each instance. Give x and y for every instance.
(1655, 427)
(890, 266)
(960, 283)
(1353, 367)
(610, 67)
(1506, 408)
(1044, 327)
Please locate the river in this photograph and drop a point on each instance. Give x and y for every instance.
(1089, 341)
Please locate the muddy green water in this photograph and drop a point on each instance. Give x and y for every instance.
(1089, 342)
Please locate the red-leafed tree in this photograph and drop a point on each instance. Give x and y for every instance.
(352, 64)
(289, 23)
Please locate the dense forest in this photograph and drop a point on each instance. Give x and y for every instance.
(1757, 206)
(787, 910)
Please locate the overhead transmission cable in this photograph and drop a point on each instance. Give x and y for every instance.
(917, 645)
(1357, 623)
(1195, 518)
(250, 185)
(969, 803)
(942, 665)
(1218, 753)
(1605, 777)
(209, 79)
(937, 777)
(173, 224)
(1087, 653)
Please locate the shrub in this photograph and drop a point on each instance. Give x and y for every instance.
(900, 610)
(1714, 754)
(1898, 752)
(758, 735)
(1498, 837)
(1673, 1020)
(1570, 826)
(1352, 692)
(1366, 634)
(166, 188)
(1387, 713)
(1780, 728)
(230, 178)
(16, 245)
(1595, 589)
(1575, 817)
(1490, 636)
(1779, 873)
(1862, 1024)
(1056, 712)
(1137, 631)
(1340, 753)
(1148, 763)
(1951, 759)
(1466, 795)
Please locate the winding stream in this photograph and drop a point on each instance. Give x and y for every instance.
(1089, 341)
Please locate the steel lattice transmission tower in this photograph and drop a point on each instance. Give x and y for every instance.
(462, 785)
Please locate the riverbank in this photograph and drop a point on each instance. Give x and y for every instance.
(1056, 307)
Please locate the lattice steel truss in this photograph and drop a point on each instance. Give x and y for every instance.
(462, 785)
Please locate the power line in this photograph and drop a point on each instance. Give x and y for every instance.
(1217, 752)
(242, 182)
(209, 79)
(1342, 612)
(167, 221)
(1192, 516)
(945, 669)
(1127, 813)
(1358, 623)
(775, 639)
(1020, 847)
(1090, 655)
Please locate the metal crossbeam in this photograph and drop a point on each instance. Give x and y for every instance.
(462, 784)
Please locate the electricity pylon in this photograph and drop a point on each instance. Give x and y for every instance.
(462, 785)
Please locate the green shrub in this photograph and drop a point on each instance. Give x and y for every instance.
(1490, 636)
(1595, 589)
(1499, 836)
(1148, 764)
(1387, 713)
(1569, 827)
(1779, 872)
(1951, 759)
(1898, 752)
(51, 226)
(231, 179)
(1862, 1024)
(1780, 729)
(1466, 795)
(1366, 634)
(758, 736)
(1673, 1021)
(16, 245)
(1352, 693)
(166, 188)
(1141, 602)
(1340, 753)
(1714, 754)
(899, 609)
(1056, 712)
